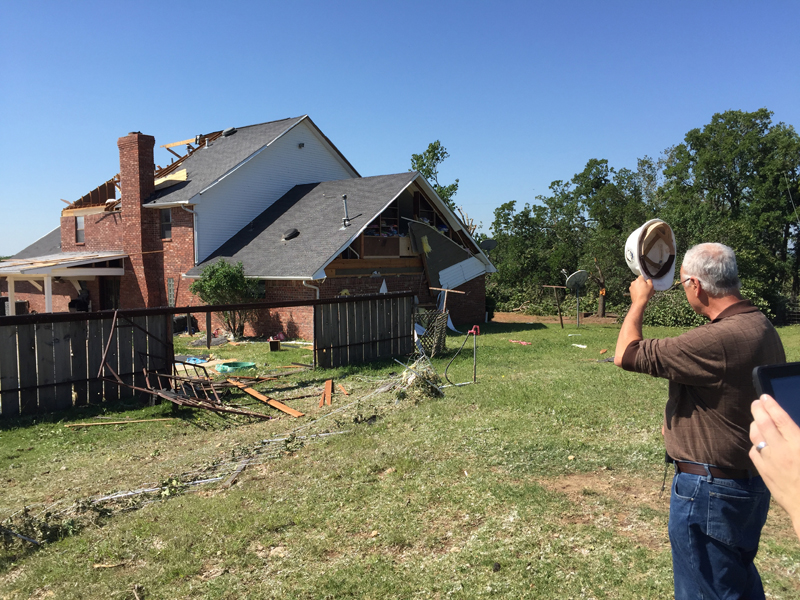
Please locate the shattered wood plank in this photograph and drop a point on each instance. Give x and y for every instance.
(344, 391)
(259, 396)
(322, 400)
(328, 391)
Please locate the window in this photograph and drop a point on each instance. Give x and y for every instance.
(170, 292)
(166, 223)
(79, 237)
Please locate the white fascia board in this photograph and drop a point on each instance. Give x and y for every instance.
(357, 233)
(453, 221)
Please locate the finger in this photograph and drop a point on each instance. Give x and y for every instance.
(766, 426)
(780, 417)
(755, 434)
(757, 459)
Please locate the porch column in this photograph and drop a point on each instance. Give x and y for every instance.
(48, 294)
(12, 298)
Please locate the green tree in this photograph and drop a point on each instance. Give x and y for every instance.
(730, 182)
(224, 283)
(428, 163)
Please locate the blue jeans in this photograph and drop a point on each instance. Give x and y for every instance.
(714, 529)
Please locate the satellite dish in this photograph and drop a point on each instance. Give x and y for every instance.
(577, 280)
(488, 245)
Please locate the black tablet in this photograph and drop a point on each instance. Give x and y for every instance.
(782, 382)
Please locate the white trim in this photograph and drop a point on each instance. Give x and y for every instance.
(48, 294)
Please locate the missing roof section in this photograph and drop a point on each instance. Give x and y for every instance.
(103, 195)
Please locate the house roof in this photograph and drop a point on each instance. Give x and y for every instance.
(316, 211)
(44, 246)
(224, 154)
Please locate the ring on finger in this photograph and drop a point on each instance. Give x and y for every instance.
(760, 446)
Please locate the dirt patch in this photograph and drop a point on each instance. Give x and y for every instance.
(513, 317)
(608, 499)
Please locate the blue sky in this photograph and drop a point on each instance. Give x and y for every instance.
(520, 93)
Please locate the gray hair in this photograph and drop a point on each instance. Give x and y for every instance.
(714, 265)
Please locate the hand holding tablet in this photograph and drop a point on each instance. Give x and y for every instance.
(776, 453)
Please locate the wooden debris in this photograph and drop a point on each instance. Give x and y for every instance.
(259, 396)
(341, 387)
(107, 565)
(232, 479)
(198, 403)
(328, 391)
(117, 422)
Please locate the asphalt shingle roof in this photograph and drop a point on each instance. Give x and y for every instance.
(316, 211)
(45, 246)
(206, 165)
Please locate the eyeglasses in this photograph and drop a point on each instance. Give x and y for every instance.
(677, 283)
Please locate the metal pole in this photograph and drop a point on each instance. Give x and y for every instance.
(474, 358)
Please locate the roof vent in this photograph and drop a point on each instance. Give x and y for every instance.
(289, 235)
(228, 131)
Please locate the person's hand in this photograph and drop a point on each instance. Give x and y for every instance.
(778, 460)
(641, 290)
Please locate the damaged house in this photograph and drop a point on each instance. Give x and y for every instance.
(280, 198)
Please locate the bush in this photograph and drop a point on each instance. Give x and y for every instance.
(671, 309)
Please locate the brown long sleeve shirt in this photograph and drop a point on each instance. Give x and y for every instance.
(710, 370)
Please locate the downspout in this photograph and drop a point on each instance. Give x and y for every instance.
(313, 287)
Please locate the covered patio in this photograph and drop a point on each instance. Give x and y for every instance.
(41, 271)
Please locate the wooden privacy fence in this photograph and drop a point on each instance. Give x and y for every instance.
(357, 330)
(50, 362)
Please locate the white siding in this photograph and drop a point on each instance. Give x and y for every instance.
(452, 277)
(236, 200)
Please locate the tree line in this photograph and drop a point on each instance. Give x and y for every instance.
(734, 181)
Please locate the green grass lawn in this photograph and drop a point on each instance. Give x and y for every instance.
(541, 481)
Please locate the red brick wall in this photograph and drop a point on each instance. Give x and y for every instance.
(469, 308)
(179, 256)
(101, 231)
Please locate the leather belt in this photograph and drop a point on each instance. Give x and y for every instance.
(716, 472)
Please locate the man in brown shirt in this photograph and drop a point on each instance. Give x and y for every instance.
(718, 503)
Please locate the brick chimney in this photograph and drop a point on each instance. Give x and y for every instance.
(140, 226)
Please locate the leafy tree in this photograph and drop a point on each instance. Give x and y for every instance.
(730, 182)
(224, 283)
(428, 163)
